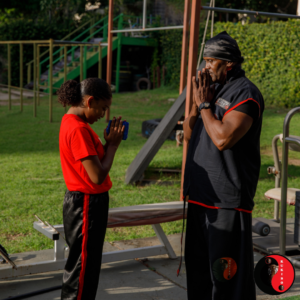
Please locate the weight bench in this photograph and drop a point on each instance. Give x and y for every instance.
(147, 214)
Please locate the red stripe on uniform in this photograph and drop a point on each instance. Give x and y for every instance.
(85, 226)
(244, 210)
(215, 207)
(249, 99)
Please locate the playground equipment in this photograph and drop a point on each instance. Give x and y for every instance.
(72, 59)
(281, 239)
(183, 103)
(36, 47)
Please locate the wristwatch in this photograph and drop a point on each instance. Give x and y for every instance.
(204, 105)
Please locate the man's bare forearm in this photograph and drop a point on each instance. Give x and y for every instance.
(226, 133)
(189, 123)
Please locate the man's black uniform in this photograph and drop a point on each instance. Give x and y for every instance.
(221, 186)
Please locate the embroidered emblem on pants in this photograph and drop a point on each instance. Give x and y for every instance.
(224, 268)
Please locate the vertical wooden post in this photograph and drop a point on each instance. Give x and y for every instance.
(100, 61)
(38, 74)
(120, 25)
(154, 69)
(84, 63)
(192, 65)
(21, 77)
(65, 66)
(158, 76)
(65, 63)
(29, 73)
(34, 80)
(9, 75)
(50, 74)
(81, 63)
(184, 47)
(109, 49)
(61, 52)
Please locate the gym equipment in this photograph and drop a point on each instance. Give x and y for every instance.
(284, 235)
(260, 228)
(138, 215)
(149, 126)
(5, 255)
(155, 141)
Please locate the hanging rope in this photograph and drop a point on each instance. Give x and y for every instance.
(212, 4)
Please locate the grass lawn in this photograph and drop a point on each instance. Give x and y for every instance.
(31, 180)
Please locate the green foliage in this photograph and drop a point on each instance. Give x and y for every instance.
(271, 52)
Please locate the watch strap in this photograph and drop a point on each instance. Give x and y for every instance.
(204, 105)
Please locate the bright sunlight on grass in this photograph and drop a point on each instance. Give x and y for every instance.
(31, 181)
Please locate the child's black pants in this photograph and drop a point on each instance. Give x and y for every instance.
(85, 221)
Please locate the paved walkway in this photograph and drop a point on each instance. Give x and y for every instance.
(153, 278)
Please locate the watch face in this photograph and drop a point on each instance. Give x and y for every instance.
(206, 104)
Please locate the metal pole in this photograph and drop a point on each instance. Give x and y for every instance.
(212, 20)
(100, 62)
(192, 64)
(21, 77)
(204, 36)
(109, 49)
(81, 63)
(184, 47)
(147, 29)
(286, 127)
(277, 175)
(144, 14)
(250, 12)
(38, 75)
(34, 80)
(50, 74)
(9, 75)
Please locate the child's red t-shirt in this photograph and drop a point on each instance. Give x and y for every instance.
(78, 140)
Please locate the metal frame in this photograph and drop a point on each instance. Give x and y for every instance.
(36, 67)
(250, 12)
(285, 141)
(209, 8)
(58, 263)
(280, 170)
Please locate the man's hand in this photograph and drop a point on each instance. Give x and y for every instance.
(202, 91)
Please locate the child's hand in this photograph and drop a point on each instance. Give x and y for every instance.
(115, 133)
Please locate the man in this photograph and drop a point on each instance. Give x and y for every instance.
(221, 175)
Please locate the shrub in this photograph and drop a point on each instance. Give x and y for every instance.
(271, 52)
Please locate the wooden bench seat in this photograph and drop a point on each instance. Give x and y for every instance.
(275, 194)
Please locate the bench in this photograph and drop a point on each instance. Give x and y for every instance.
(147, 214)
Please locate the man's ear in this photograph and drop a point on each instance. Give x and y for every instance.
(229, 64)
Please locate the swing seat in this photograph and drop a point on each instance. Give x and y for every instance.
(275, 194)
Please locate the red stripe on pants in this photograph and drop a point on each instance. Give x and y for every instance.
(85, 226)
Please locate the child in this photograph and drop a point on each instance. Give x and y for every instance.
(85, 165)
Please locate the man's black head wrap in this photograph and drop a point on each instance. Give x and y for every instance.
(224, 47)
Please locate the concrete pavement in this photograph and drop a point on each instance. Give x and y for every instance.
(141, 279)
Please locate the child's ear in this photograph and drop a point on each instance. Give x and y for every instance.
(89, 102)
